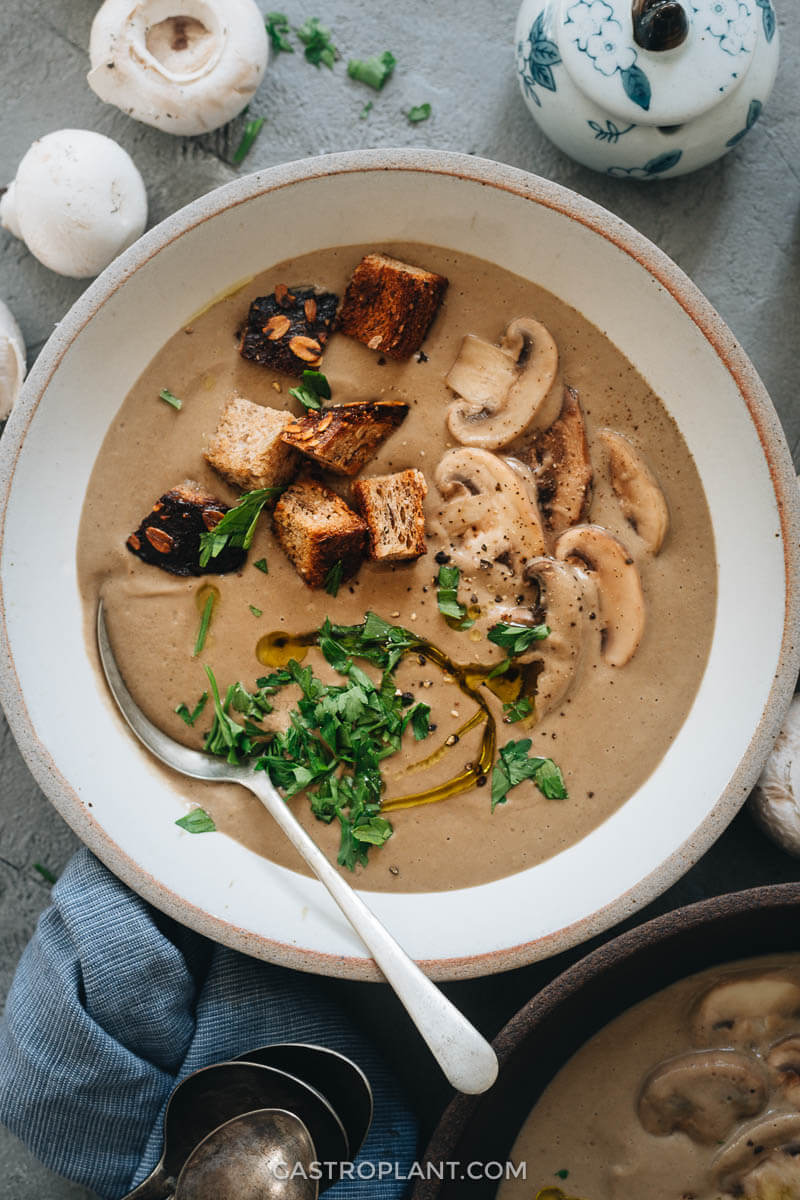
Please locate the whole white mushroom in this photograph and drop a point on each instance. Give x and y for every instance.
(77, 202)
(12, 360)
(775, 803)
(185, 66)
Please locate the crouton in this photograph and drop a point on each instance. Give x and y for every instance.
(169, 536)
(317, 530)
(392, 506)
(246, 447)
(344, 437)
(287, 331)
(389, 305)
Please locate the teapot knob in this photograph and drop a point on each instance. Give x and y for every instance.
(659, 24)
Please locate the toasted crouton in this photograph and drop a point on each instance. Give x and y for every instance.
(246, 448)
(392, 506)
(344, 437)
(389, 305)
(287, 331)
(317, 530)
(169, 536)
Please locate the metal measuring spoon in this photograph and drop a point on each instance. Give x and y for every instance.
(262, 1155)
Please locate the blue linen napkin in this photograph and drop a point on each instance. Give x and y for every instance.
(112, 1003)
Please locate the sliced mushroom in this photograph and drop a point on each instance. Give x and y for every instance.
(783, 1061)
(704, 1094)
(12, 360)
(619, 588)
(490, 512)
(560, 462)
(504, 390)
(745, 1010)
(763, 1161)
(637, 489)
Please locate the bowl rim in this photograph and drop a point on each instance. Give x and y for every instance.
(713, 329)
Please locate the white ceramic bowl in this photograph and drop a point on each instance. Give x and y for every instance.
(103, 783)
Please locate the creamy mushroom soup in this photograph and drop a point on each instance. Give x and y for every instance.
(694, 1094)
(615, 559)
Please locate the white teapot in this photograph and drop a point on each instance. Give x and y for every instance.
(646, 89)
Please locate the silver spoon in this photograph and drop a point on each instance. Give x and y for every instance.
(262, 1155)
(467, 1059)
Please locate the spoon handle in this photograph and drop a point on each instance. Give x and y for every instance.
(158, 1186)
(466, 1058)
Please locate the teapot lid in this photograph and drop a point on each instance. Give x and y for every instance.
(657, 62)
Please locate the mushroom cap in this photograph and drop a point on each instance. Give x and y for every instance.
(77, 202)
(763, 1160)
(637, 490)
(12, 360)
(184, 66)
(619, 588)
(747, 1009)
(504, 390)
(783, 1062)
(561, 463)
(775, 802)
(703, 1093)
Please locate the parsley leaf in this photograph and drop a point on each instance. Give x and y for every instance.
(317, 41)
(419, 112)
(517, 710)
(166, 395)
(187, 717)
(514, 765)
(451, 608)
(257, 612)
(516, 639)
(419, 717)
(366, 110)
(312, 390)
(205, 621)
(373, 71)
(45, 873)
(251, 131)
(261, 565)
(277, 24)
(197, 821)
(238, 525)
(333, 579)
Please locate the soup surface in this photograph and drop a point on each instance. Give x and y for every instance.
(692, 1094)
(614, 725)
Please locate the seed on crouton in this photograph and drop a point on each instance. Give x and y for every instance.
(389, 305)
(344, 437)
(392, 506)
(287, 331)
(317, 529)
(246, 447)
(169, 536)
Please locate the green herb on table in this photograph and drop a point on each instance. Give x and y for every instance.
(317, 41)
(515, 764)
(419, 112)
(257, 612)
(251, 132)
(451, 608)
(205, 621)
(166, 395)
(313, 389)
(197, 821)
(188, 717)
(238, 525)
(366, 110)
(261, 565)
(277, 24)
(45, 873)
(373, 71)
(517, 710)
(333, 579)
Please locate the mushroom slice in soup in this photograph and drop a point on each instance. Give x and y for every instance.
(560, 461)
(783, 1061)
(703, 1093)
(619, 588)
(763, 1161)
(637, 490)
(745, 1010)
(504, 390)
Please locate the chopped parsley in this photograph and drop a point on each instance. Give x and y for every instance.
(313, 389)
(451, 608)
(515, 765)
(166, 395)
(419, 719)
(257, 612)
(277, 24)
(197, 821)
(333, 580)
(317, 41)
(45, 873)
(188, 717)
(517, 710)
(261, 565)
(205, 621)
(366, 110)
(419, 112)
(516, 639)
(238, 525)
(251, 131)
(373, 71)
(562, 1174)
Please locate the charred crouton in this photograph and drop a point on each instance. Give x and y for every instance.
(392, 506)
(389, 305)
(317, 530)
(246, 447)
(169, 536)
(344, 437)
(287, 331)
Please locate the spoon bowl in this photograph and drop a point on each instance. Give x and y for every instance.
(261, 1155)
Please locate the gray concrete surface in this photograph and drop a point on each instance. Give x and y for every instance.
(733, 227)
